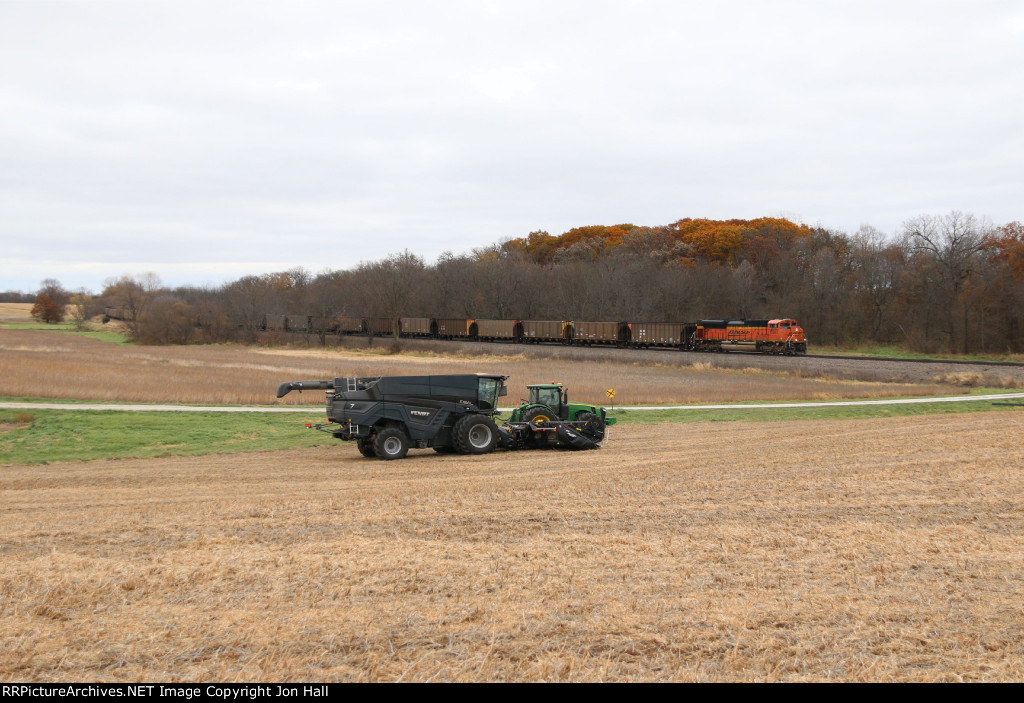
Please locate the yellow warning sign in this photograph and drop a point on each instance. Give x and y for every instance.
(610, 392)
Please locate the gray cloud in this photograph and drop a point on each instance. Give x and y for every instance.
(204, 141)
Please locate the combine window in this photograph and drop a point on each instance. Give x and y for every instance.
(488, 392)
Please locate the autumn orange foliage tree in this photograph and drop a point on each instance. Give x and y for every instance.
(730, 241)
(712, 241)
(1004, 293)
(1007, 246)
(47, 310)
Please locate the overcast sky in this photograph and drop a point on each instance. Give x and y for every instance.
(205, 141)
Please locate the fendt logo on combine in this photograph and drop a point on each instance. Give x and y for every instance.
(388, 415)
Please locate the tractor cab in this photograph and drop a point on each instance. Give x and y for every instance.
(548, 403)
(551, 395)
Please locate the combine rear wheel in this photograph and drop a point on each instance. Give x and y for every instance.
(391, 443)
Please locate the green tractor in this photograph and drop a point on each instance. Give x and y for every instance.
(550, 402)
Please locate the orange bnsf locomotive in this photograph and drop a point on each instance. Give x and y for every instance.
(766, 336)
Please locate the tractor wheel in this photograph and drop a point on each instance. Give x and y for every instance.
(539, 415)
(365, 445)
(594, 427)
(475, 434)
(391, 443)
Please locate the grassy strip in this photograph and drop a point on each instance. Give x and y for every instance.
(884, 351)
(44, 436)
(76, 401)
(317, 405)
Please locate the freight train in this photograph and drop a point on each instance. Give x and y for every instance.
(775, 336)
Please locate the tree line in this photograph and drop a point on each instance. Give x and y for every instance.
(943, 283)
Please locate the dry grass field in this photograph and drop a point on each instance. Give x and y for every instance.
(867, 550)
(15, 312)
(62, 365)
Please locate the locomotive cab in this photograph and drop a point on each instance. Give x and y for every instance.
(785, 336)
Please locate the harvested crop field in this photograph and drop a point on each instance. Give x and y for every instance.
(876, 550)
(15, 312)
(47, 364)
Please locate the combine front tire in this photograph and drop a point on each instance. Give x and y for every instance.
(476, 434)
(365, 445)
(391, 443)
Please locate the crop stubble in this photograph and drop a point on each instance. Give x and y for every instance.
(867, 550)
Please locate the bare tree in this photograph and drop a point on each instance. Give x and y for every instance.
(79, 307)
(254, 303)
(949, 246)
(55, 291)
(327, 300)
(393, 281)
(878, 265)
(132, 295)
(167, 320)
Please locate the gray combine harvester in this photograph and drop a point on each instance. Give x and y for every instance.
(388, 415)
